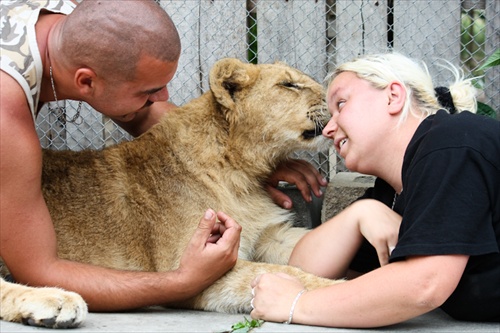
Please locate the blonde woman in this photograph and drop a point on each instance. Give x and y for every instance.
(427, 235)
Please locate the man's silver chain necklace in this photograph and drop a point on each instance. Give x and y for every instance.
(60, 111)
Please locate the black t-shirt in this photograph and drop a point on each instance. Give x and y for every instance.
(451, 205)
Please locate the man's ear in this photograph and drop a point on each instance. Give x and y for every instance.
(85, 80)
(397, 97)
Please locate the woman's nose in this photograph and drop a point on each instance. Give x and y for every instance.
(330, 128)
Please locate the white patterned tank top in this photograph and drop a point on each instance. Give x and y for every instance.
(19, 54)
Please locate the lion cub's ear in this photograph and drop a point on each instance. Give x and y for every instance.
(228, 76)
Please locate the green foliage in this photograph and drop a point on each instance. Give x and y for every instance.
(472, 38)
(252, 38)
(486, 110)
(245, 326)
(492, 61)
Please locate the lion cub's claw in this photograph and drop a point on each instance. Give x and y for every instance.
(56, 309)
(43, 307)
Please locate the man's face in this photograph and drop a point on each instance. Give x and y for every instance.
(122, 101)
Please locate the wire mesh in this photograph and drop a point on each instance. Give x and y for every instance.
(311, 35)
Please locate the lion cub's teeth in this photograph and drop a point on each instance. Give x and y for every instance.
(342, 142)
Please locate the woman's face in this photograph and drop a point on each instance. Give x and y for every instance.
(359, 121)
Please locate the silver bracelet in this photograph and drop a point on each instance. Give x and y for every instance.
(290, 316)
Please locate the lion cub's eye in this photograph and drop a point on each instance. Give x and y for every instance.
(288, 84)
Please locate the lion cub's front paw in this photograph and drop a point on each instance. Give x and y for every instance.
(46, 307)
(51, 307)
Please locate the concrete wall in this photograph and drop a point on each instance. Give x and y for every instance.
(343, 189)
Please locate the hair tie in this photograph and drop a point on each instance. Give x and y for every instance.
(445, 99)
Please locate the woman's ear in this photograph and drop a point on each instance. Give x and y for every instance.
(85, 79)
(397, 97)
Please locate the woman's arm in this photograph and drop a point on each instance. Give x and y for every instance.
(391, 294)
(338, 239)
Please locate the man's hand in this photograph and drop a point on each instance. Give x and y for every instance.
(212, 250)
(299, 173)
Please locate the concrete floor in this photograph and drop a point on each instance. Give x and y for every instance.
(168, 320)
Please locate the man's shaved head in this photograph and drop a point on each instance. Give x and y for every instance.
(110, 36)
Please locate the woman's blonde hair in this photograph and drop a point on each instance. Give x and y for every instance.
(422, 99)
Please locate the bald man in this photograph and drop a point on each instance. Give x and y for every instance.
(118, 57)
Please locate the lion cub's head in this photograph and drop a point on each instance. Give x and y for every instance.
(271, 106)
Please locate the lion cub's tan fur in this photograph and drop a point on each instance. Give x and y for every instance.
(135, 205)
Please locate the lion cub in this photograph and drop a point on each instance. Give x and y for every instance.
(214, 152)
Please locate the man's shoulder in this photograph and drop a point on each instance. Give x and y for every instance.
(12, 97)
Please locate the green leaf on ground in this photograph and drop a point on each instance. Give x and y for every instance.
(246, 325)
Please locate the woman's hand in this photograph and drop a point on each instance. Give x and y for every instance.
(379, 225)
(273, 295)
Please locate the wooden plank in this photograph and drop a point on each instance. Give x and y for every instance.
(112, 133)
(222, 34)
(429, 30)
(209, 30)
(492, 75)
(186, 16)
(293, 32)
(87, 131)
(50, 129)
(361, 28)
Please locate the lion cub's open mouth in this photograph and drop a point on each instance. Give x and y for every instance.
(313, 133)
(319, 115)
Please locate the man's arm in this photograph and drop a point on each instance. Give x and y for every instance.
(299, 173)
(28, 242)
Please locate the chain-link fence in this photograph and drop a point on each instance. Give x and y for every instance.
(312, 35)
